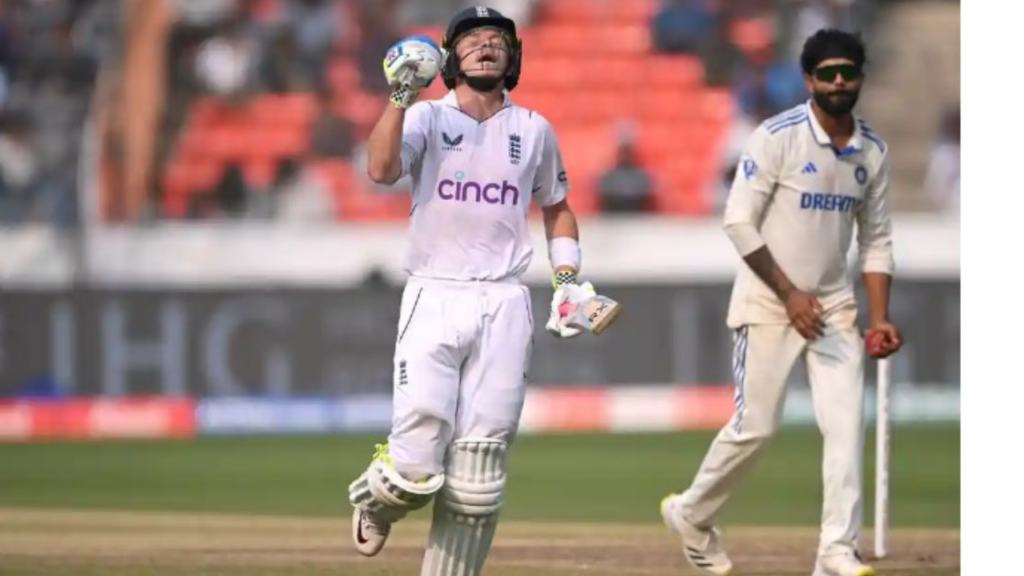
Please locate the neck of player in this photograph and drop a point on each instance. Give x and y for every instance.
(839, 128)
(480, 105)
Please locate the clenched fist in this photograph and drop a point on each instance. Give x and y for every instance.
(411, 65)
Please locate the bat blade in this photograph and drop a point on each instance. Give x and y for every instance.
(595, 315)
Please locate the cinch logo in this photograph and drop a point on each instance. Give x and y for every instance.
(461, 190)
(827, 202)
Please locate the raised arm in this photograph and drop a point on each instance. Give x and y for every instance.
(399, 137)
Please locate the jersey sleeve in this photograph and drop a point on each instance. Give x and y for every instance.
(415, 135)
(757, 174)
(874, 225)
(550, 184)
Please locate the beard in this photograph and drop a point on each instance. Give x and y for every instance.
(837, 103)
(483, 83)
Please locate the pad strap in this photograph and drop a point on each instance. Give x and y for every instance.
(382, 491)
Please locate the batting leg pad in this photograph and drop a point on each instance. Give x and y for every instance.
(386, 495)
(466, 509)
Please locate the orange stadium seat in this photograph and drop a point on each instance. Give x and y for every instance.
(633, 11)
(204, 111)
(342, 74)
(665, 105)
(284, 111)
(566, 40)
(629, 39)
(259, 172)
(665, 71)
(226, 143)
(184, 179)
(299, 109)
(717, 105)
(551, 72)
(354, 200)
(571, 11)
(610, 72)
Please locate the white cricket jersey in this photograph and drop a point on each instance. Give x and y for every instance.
(472, 183)
(797, 194)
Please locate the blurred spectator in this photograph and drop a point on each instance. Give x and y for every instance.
(379, 31)
(942, 180)
(18, 170)
(300, 196)
(779, 83)
(799, 19)
(7, 60)
(226, 64)
(278, 68)
(316, 24)
(682, 26)
(205, 12)
(743, 125)
(228, 198)
(626, 188)
(333, 133)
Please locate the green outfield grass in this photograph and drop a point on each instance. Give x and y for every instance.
(584, 477)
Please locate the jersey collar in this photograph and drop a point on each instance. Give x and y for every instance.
(451, 100)
(856, 143)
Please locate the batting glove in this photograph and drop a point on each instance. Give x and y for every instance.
(409, 66)
(567, 295)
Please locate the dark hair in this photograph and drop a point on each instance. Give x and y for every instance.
(831, 43)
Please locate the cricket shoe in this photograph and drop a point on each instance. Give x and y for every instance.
(368, 534)
(848, 564)
(701, 546)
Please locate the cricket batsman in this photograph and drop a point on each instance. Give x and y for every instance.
(465, 330)
(808, 178)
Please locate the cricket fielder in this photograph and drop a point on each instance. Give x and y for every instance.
(809, 175)
(464, 335)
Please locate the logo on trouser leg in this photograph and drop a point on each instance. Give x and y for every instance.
(403, 373)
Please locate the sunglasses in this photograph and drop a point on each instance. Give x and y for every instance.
(848, 72)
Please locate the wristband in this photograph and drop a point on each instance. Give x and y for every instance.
(564, 251)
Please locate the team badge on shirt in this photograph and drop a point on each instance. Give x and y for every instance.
(515, 148)
(861, 174)
(749, 168)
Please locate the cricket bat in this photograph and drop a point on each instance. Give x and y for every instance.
(596, 314)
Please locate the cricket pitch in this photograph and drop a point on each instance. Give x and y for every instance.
(35, 542)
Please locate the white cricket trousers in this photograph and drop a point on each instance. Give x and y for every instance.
(461, 357)
(763, 357)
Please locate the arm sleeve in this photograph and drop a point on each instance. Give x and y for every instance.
(550, 185)
(415, 134)
(874, 225)
(757, 174)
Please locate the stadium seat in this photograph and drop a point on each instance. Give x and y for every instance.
(670, 71)
(226, 143)
(717, 105)
(184, 179)
(625, 39)
(342, 75)
(633, 11)
(354, 200)
(259, 172)
(571, 11)
(665, 105)
(567, 40)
